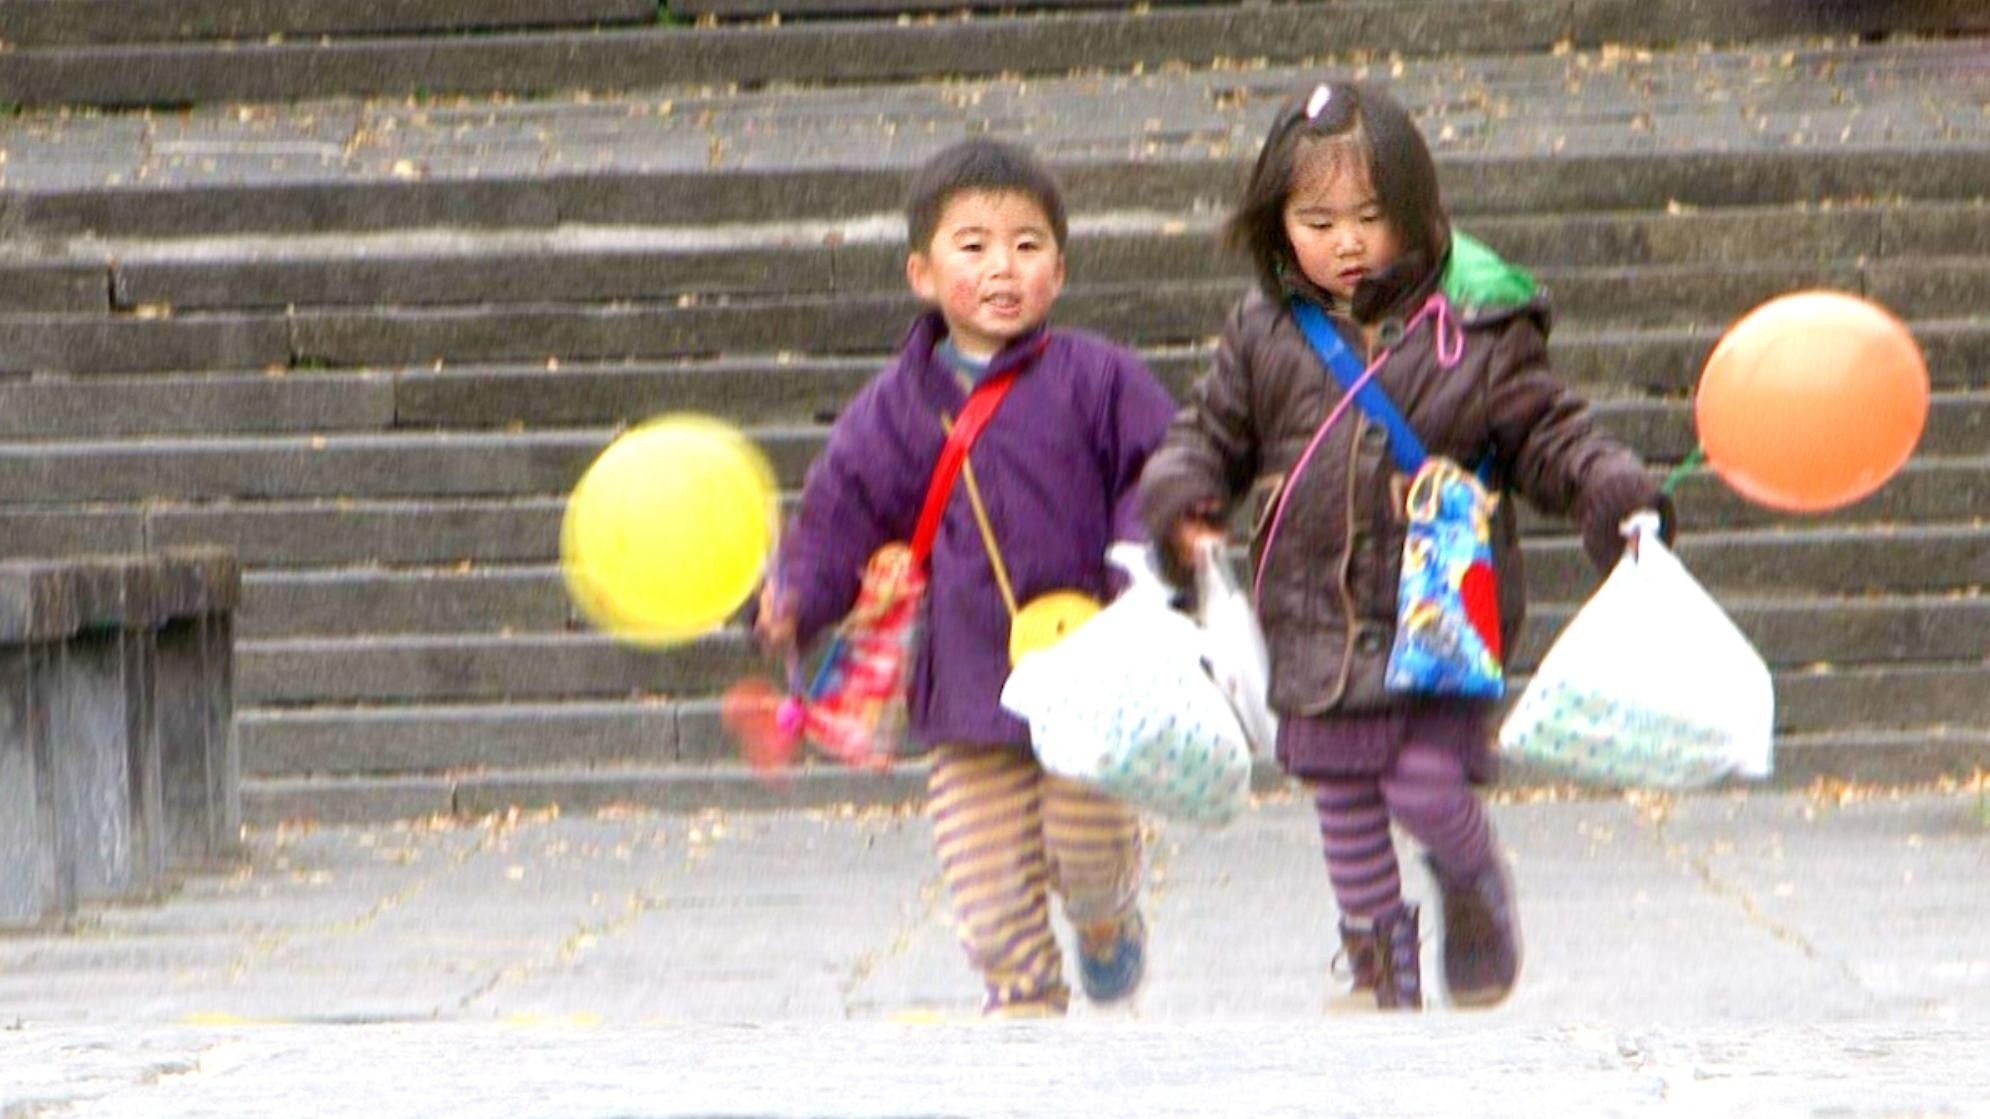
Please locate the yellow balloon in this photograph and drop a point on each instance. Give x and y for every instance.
(667, 533)
(1045, 620)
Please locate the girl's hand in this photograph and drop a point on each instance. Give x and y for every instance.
(774, 627)
(1188, 538)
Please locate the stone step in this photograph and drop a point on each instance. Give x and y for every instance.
(1667, 361)
(439, 668)
(1545, 132)
(869, 50)
(1663, 430)
(1600, 363)
(468, 668)
(438, 739)
(273, 801)
(434, 465)
(1636, 378)
(584, 264)
(426, 465)
(62, 202)
(61, 408)
(1677, 301)
(1794, 634)
(394, 336)
(42, 534)
(373, 602)
(879, 9)
(1883, 756)
(450, 525)
(97, 343)
(428, 530)
(1793, 560)
(36, 23)
(43, 283)
(568, 264)
(1147, 316)
(530, 598)
(217, 469)
(746, 390)
(1892, 17)
(445, 521)
(1857, 748)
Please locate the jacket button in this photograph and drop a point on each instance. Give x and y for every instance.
(1389, 333)
(1375, 435)
(1369, 640)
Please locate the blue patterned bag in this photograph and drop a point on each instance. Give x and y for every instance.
(1447, 601)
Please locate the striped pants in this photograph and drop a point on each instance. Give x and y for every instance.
(1008, 836)
(1425, 790)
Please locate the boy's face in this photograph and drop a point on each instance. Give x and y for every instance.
(1336, 226)
(993, 268)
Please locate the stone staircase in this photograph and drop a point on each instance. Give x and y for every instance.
(370, 343)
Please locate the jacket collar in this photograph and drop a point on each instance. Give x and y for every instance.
(939, 383)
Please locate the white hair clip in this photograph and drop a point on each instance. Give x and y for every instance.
(1322, 94)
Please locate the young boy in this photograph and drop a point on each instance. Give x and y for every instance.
(1055, 476)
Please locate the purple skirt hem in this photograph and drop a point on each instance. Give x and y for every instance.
(1311, 747)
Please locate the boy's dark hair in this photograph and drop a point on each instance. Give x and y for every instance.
(1367, 124)
(978, 165)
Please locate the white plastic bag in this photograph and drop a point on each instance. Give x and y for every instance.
(1234, 646)
(1649, 685)
(1125, 703)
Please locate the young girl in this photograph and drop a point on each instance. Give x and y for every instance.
(1048, 485)
(1342, 212)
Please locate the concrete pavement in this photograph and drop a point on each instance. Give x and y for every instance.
(1752, 944)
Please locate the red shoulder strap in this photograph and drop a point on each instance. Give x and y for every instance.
(973, 417)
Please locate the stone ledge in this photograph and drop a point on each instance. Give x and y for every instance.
(118, 761)
(50, 600)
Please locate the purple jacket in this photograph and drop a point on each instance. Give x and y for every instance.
(1058, 468)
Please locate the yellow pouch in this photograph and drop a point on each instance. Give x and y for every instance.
(1044, 621)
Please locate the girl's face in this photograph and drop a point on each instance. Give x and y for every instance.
(993, 269)
(1335, 224)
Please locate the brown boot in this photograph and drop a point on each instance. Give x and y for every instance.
(1359, 955)
(1481, 935)
(1398, 975)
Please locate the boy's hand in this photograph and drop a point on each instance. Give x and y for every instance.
(774, 626)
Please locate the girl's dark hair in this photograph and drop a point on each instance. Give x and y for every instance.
(978, 165)
(1361, 121)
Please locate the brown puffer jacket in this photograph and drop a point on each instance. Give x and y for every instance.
(1328, 603)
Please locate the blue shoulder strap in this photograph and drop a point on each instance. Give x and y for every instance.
(1346, 369)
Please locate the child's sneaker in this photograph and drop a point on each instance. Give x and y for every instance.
(1112, 957)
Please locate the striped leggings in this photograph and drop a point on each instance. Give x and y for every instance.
(1008, 836)
(1427, 792)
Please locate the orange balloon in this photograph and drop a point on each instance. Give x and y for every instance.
(1812, 401)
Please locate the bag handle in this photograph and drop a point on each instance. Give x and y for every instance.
(1357, 385)
(974, 416)
(1360, 386)
(988, 537)
(987, 529)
